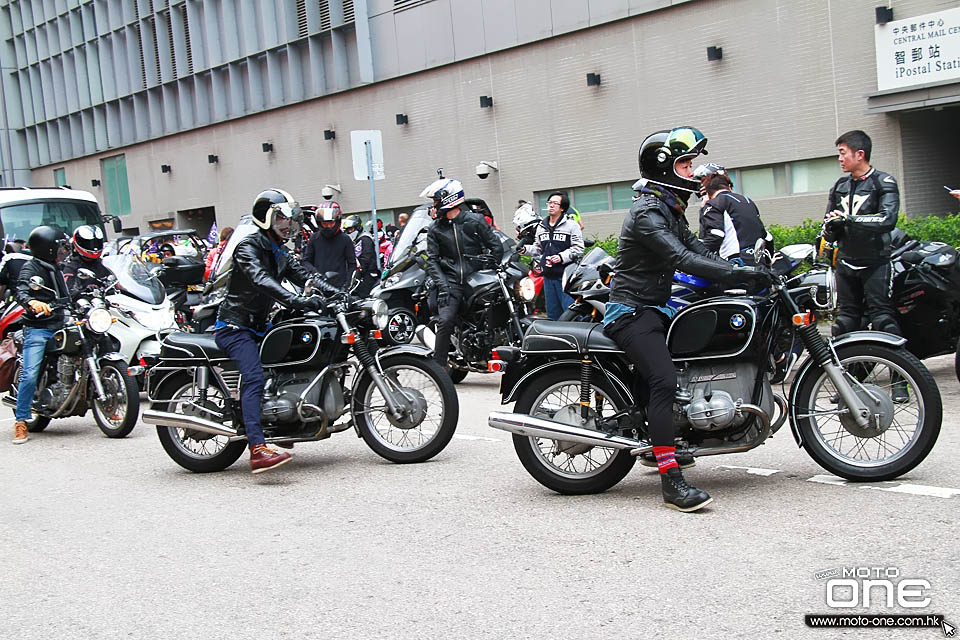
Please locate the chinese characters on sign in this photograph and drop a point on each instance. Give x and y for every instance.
(918, 50)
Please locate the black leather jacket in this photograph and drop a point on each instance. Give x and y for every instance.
(871, 204)
(259, 265)
(53, 279)
(654, 242)
(72, 266)
(448, 241)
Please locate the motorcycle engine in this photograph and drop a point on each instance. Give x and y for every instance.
(708, 395)
(282, 394)
(54, 395)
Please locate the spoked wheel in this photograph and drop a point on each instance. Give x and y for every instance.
(117, 414)
(194, 450)
(38, 423)
(905, 408)
(432, 410)
(568, 467)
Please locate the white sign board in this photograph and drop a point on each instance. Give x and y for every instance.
(918, 50)
(357, 146)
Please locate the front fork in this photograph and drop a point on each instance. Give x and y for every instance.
(369, 363)
(514, 318)
(91, 362)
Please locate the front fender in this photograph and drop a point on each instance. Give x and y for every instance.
(847, 339)
(408, 349)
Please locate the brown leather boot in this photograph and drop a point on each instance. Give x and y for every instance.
(20, 434)
(263, 458)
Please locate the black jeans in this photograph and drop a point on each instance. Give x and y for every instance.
(864, 296)
(447, 317)
(242, 347)
(643, 337)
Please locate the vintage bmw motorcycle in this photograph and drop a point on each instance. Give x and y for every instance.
(397, 399)
(579, 418)
(80, 371)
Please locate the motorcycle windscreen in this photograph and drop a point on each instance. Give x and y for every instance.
(711, 330)
(134, 278)
(419, 220)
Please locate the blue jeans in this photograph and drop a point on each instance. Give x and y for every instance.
(34, 345)
(241, 346)
(557, 301)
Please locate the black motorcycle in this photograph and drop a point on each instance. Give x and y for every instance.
(580, 419)
(397, 399)
(587, 282)
(80, 371)
(496, 301)
(926, 293)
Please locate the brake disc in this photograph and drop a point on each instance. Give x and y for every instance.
(880, 405)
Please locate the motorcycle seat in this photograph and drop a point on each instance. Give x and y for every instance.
(180, 344)
(545, 336)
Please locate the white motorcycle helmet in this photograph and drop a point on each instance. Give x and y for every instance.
(446, 194)
(524, 216)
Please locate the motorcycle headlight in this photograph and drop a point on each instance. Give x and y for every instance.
(157, 320)
(376, 309)
(830, 293)
(99, 320)
(528, 290)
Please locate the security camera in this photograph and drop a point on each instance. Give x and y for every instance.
(484, 168)
(328, 191)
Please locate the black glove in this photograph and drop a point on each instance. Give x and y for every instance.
(443, 298)
(834, 227)
(758, 276)
(308, 303)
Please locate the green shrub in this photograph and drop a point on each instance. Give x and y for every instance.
(939, 228)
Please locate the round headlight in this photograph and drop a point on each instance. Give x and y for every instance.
(831, 284)
(99, 320)
(379, 314)
(528, 290)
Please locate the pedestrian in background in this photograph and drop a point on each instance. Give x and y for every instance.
(558, 242)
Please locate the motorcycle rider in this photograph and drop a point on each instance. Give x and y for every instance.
(730, 223)
(260, 262)
(48, 247)
(456, 234)
(559, 241)
(329, 250)
(87, 248)
(13, 260)
(365, 252)
(654, 242)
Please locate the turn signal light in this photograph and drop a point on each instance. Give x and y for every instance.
(802, 319)
(494, 366)
(348, 338)
(377, 334)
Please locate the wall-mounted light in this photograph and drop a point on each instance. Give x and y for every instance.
(486, 101)
(593, 79)
(94, 183)
(884, 15)
(267, 147)
(164, 168)
(328, 189)
(329, 134)
(402, 118)
(212, 159)
(714, 53)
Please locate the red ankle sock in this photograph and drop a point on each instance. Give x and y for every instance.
(666, 458)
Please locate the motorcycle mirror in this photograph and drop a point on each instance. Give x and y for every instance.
(331, 275)
(86, 274)
(36, 283)
(117, 225)
(797, 252)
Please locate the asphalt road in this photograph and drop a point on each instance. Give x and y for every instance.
(108, 538)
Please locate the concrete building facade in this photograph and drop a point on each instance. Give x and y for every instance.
(195, 106)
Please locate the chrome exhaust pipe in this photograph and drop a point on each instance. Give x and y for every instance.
(10, 401)
(194, 423)
(534, 427)
(763, 433)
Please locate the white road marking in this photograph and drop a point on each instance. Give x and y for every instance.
(462, 436)
(903, 487)
(754, 471)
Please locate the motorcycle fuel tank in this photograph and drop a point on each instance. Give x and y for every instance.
(716, 328)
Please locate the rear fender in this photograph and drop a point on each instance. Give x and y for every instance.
(510, 384)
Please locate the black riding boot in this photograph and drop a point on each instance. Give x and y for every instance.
(677, 494)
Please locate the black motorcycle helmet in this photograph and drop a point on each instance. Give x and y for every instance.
(88, 241)
(660, 152)
(277, 211)
(327, 213)
(47, 244)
